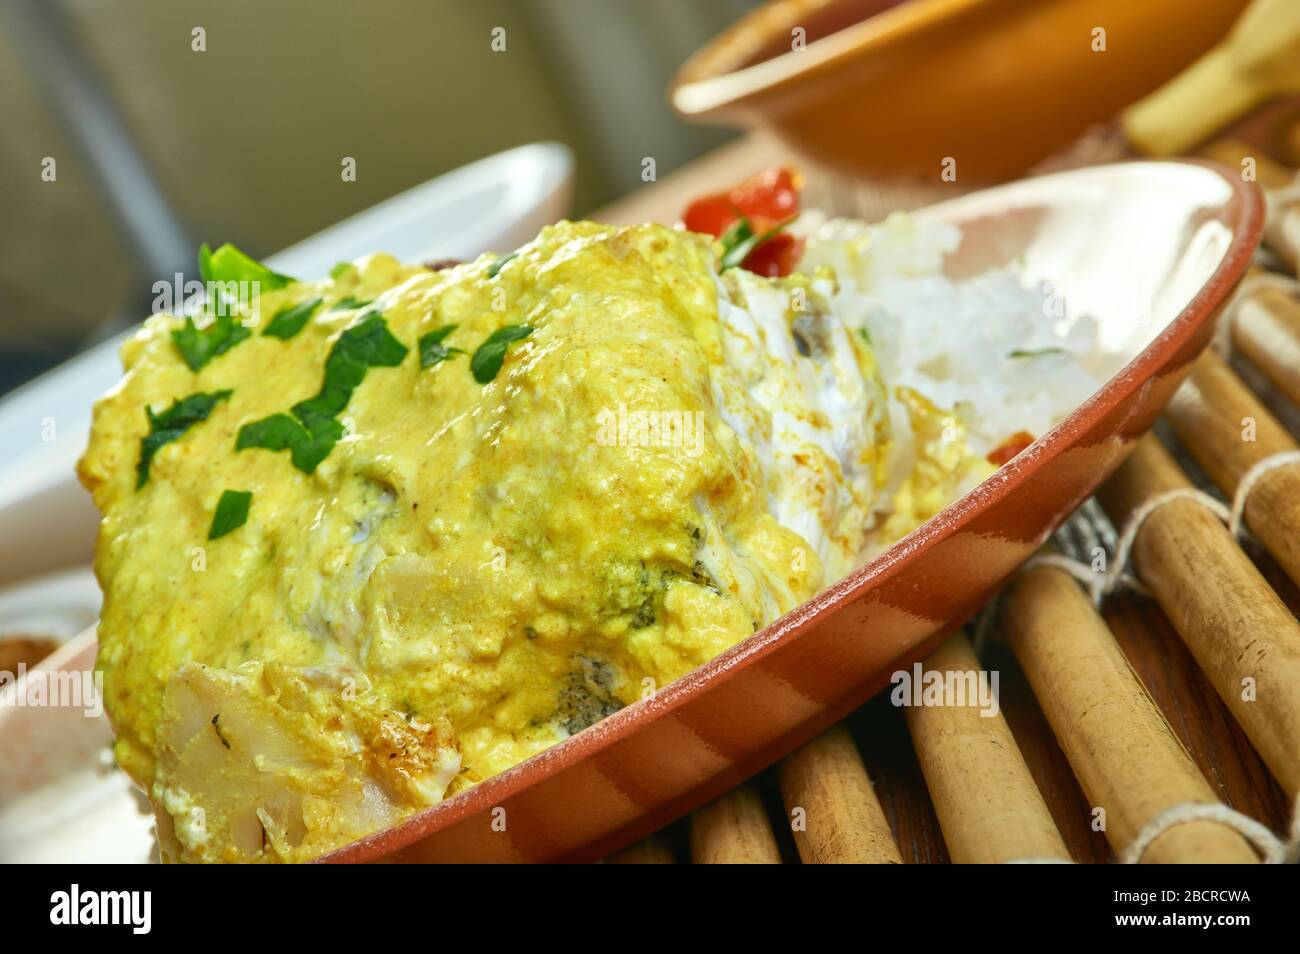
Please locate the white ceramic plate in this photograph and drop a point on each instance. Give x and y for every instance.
(57, 605)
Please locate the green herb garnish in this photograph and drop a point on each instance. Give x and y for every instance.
(171, 424)
(740, 240)
(308, 445)
(230, 275)
(232, 513)
(501, 261)
(289, 321)
(198, 345)
(341, 269)
(432, 350)
(311, 430)
(367, 344)
(229, 264)
(865, 335)
(347, 302)
(739, 231)
(1035, 353)
(491, 353)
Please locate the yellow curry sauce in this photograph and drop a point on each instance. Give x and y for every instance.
(469, 574)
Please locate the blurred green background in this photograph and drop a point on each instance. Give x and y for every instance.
(243, 141)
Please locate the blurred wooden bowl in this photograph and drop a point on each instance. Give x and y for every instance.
(890, 88)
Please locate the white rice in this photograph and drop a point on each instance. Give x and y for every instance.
(991, 347)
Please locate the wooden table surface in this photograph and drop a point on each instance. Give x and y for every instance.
(1158, 656)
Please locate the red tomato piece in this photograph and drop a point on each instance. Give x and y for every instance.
(1009, 448)
(765, 200)
(776, 257)
(711, 215)
(770, 197)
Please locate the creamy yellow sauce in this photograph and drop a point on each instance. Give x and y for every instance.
(472, 572)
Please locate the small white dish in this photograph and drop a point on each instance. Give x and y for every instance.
(55, 606)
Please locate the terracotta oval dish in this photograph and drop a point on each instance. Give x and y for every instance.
(1018, 81)
(1152, 251)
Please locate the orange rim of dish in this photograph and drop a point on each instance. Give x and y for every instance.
(717, 75)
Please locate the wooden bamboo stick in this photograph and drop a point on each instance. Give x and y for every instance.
(734, 830)
(1228, 431)
(1282, 229)
(651, 850)
(1282, 234)
(1266, 330)
(1245, 638)
(1124, 754)
(842, 821)
(1268, 172)
(989, 808)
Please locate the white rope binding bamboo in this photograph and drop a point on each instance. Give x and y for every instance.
(1100, 584)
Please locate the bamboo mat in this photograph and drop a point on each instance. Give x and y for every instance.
(1108, 719)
